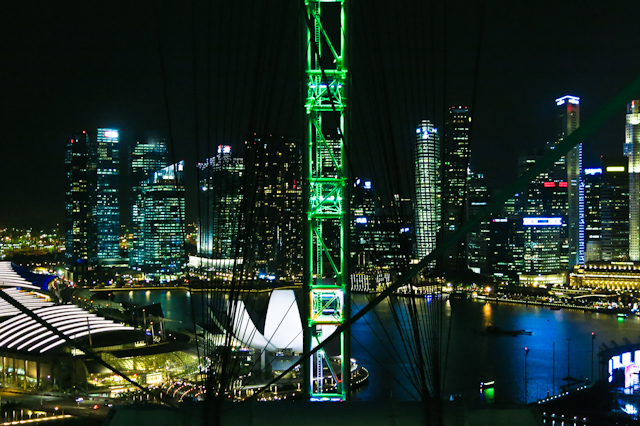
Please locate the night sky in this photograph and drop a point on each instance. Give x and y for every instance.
(68, 66)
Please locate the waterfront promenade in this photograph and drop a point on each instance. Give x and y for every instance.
(497, 297)
(377, 347)
(551, 305)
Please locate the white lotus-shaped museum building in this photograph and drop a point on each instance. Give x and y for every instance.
(282, 327)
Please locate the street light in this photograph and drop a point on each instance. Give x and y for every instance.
(568, 362)
(526, 353)
(553, 370)
(593, 337)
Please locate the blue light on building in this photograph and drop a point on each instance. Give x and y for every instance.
(107, 205)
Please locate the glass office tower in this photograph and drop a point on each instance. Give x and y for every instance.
(146, 158)
(568, 116)
(457, 127)
(614, 209)
(79, 207)
(632, 143)
(428, 181)
(107, 201)
(163, 232)
(273, 213)
(221, 198)
(92, 201)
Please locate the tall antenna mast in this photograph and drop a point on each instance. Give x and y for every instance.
(326, 275)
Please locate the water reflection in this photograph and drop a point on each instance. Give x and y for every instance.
(486, 310)
(472, 356)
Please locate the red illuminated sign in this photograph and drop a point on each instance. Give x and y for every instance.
(549, 184)
(562, 184)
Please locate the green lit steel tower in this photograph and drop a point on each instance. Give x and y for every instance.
(326, 277)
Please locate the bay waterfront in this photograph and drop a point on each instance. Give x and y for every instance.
(472, 355)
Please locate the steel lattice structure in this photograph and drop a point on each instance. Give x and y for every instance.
(326, 232)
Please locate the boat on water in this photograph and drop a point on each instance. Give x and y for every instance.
(491, 329)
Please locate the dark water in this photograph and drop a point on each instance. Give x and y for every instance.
(473, 356)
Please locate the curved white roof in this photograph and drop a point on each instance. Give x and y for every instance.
(21, 332)
(282, 328)
(283, 325)
(18, 331)
(10, 278)
(245, 330)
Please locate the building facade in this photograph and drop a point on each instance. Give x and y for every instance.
(107, 208)
(428, 184)
(364, 251)
(221, 195)
(272, 212)
(541, 248)
(568, 119)
(614, 209)
(457, 128)
(613, 276)
(541, 220)
(162, 220)
(146, 158)
(632, 143)
(505, 249)
(593, 214)
(379, 232)
(478, 238)
(92, 202)
(80, 222)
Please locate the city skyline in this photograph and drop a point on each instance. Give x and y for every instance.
(120, 84)
(369, 186)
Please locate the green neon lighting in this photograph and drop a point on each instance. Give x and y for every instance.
(327, 306)
(325, 277)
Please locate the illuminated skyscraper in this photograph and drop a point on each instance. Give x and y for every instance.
(364, 251)
(632, 143)
(593, 214)
(221, 198)
(273, 213)
(428, 181)
(146, 158)
(614, 209)
(568, 114)
(162, 212)
(107, 207)
(541, 249)
(79, 205)
(478, 238)
(380, 245)
(92, 201)
(457, 128)
(546, 195)
(505, 249)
